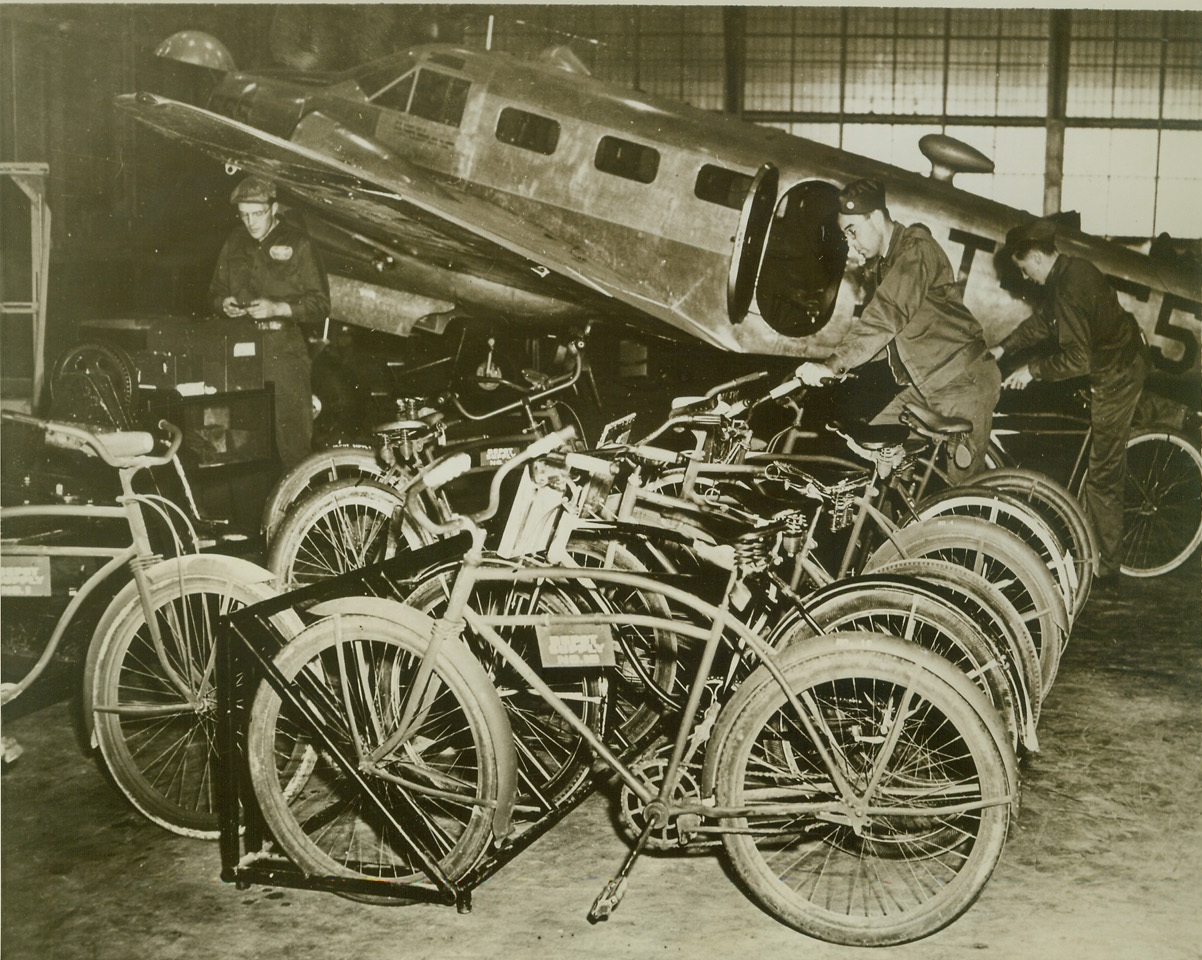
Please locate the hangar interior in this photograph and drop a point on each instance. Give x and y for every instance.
(109, 235)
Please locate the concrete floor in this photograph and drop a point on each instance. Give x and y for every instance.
(1104, 862)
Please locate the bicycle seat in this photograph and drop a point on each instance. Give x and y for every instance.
(925, 420)
(117, 445)
(536, 379)
(873, 436)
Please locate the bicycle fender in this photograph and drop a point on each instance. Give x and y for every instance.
(423, 625)
(235, 568)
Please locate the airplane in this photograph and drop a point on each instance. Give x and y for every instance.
(446, 182)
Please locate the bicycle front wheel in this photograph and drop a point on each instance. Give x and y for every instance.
(339, 527)
(932, 777)
(1162, 506)
(438, 786)
(155, 712)
(320, 467)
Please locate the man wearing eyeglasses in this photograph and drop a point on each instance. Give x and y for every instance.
(269, 272)
(915, 315)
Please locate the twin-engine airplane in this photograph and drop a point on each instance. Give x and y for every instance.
(448, 182)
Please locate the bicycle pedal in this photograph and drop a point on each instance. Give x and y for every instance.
(607, 900)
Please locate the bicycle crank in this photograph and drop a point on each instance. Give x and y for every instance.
(667, 835)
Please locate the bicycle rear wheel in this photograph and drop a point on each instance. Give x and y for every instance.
(439, 785)
(932, 775)
(989, 609)
(1062, 511)
(1005, 561)
(904, 607)
(155, 721)
(1008, 511)
(340, 527)
(1162, 507)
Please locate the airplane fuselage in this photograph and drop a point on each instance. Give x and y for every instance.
(663, 196)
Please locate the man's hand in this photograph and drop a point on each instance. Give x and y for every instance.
(262, 309)
(1019, 379)
(231, 308)
(815, 374)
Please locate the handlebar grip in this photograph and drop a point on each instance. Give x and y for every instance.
(550, 443)
(443, 472)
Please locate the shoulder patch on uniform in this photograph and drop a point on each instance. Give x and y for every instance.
(281, 251)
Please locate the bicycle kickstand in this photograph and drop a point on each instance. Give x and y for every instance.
(608, 899)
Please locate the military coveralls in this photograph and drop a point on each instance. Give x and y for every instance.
(935, 346)
(1091, 334)
(282, 266)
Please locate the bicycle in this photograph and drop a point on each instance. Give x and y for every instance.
(148, 688)
(861, 787)
(418, 422)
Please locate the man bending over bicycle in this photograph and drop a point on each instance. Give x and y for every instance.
(916, 315)
(1089, 334)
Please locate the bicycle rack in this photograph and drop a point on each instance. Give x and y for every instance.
(246, 647)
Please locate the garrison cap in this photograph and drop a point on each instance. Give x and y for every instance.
(1042, 230)
(253, 190)
(861, 197)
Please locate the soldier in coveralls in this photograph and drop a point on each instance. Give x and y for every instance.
(1085, 332)
(915, 314)
(270, 273)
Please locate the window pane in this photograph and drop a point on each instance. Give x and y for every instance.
(439, 97)
(528, 130)
(634, 161)
(719, 185)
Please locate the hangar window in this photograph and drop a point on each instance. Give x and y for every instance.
(719, 185)
(528, 131)
(439, 97)
(634, 161)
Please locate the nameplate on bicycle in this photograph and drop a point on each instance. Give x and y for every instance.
(24, 576)
(576, 645)
(616, 431)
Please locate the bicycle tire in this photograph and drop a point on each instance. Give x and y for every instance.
(922, 870)
(901, 607)
(1059, 507)
(104, 358)
(445, 779)
(159, 752)
(318, 468)
(554, 762)
(1019, 517)
(1162, 505)
(339, 527)
(1005, 561)
(991, 611)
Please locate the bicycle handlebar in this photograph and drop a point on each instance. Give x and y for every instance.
(446, 469)
(576, 349)
(91, 442)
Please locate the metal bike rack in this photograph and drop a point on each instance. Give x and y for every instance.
(246, 647)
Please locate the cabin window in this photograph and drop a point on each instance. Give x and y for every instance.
(439, 97)
(719, 185)
(528, 131)
(396, 96)
(634, 161)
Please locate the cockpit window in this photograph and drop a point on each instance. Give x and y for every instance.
(396, 95)
(439, 97)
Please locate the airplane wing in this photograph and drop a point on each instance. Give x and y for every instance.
(349, 177)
